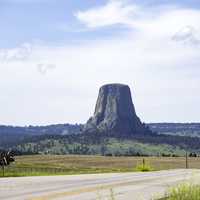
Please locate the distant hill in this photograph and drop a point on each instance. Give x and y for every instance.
(180, 129)
(102, 144)
(12, 135)
(68, 139)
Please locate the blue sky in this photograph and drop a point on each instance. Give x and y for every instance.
(49, 21)
(54, 55)
(53, 21)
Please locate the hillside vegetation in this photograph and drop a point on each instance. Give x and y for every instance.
(67, 139)
(11, 135)
(109, 147)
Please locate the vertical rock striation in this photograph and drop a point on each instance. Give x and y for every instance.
(115, 112)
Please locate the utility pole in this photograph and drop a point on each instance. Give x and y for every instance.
(186, 160)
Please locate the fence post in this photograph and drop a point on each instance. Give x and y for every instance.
(3, 170)
(186, 160)
(143, 162)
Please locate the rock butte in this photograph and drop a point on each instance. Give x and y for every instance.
(115, 112)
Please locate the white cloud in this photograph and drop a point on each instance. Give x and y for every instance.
(114, 12)
(163, 20)
(187, 35)
(43, 68)
(20, 53)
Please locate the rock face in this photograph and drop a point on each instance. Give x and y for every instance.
(115, 112)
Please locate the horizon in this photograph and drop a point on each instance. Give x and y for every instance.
(54, 57)
(79, 124)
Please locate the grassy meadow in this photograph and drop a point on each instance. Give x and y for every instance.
(77, 164)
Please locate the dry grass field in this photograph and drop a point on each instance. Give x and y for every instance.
(76, 164)
(106, 163)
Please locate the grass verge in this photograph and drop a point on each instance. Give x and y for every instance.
(184, 191)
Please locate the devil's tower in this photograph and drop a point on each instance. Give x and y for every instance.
(115, 112)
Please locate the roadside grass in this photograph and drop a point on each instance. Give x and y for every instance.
(188, 190)
(44, 165)
(30, 171)
(184, 191)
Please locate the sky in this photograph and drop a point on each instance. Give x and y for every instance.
(54, 56)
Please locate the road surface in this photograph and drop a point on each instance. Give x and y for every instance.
(123, 186)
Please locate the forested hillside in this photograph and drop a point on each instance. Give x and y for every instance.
(12, 135)
(149, 144)
(68, 139)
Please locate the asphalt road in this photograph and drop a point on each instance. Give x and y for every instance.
(123, 186)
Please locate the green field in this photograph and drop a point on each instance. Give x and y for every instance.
(76, 164)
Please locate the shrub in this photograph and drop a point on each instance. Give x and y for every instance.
(144, 168)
